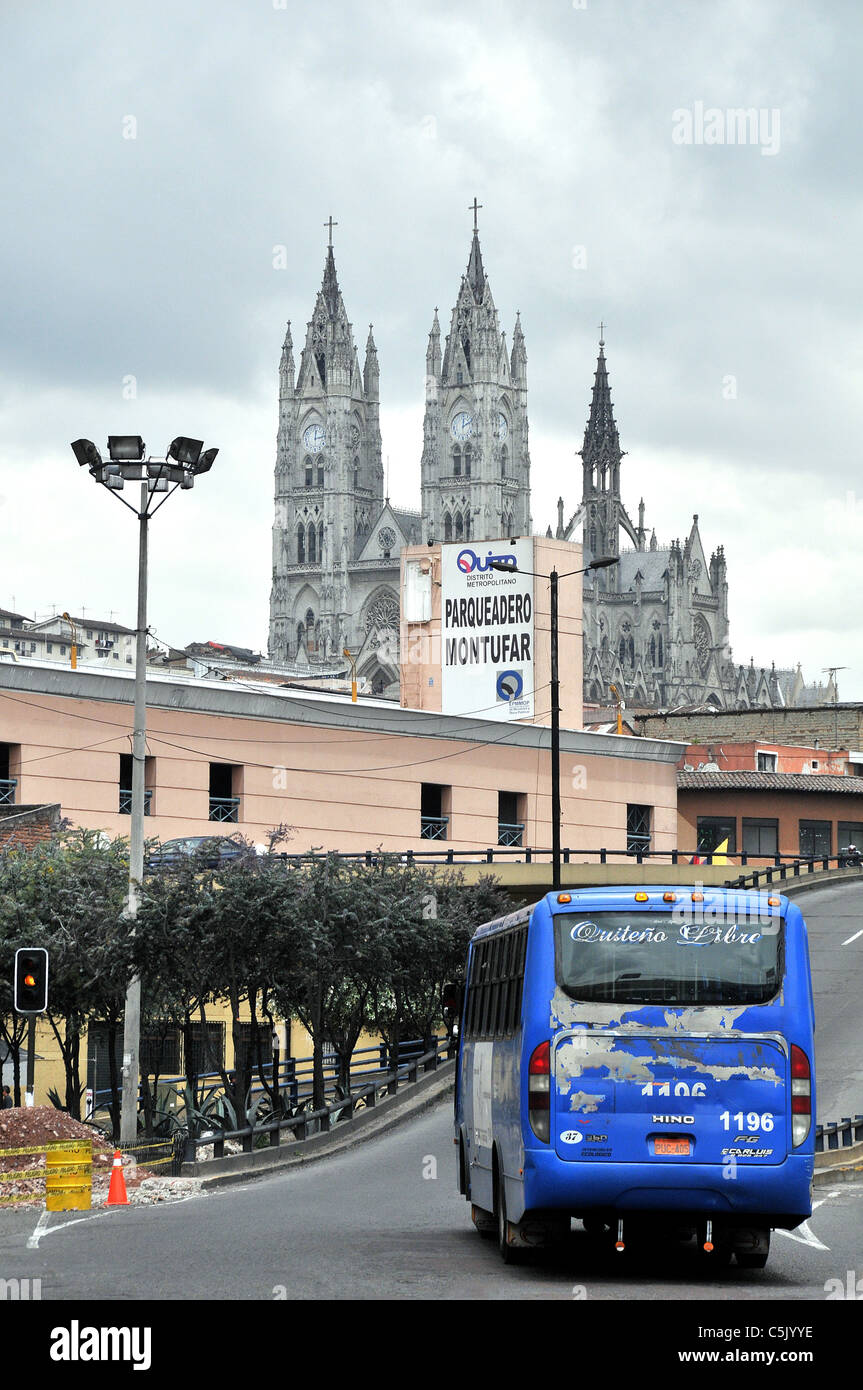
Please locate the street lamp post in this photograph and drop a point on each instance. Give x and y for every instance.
(508, 566)
(183, 463)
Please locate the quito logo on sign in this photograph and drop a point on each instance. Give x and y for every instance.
(468, 561)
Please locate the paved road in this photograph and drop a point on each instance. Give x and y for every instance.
(385, 1221)
(834, 915)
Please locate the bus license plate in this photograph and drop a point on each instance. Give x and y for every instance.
(670, 1146)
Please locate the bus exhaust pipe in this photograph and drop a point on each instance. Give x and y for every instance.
(620, 1243)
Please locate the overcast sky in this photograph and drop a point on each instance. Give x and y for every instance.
(157, 156)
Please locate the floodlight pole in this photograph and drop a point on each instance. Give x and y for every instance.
(184, 461)
(132, 1014)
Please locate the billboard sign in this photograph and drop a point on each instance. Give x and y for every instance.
(487, 629)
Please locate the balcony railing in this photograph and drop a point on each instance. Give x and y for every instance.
(224, 808)
(7, 790)
(126, 801)
(509, 834)
(433, 827)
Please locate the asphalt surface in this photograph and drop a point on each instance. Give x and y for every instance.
(384, 1220)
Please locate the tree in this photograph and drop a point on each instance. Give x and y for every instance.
(69, 895)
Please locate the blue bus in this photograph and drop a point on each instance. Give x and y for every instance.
(639, 1058)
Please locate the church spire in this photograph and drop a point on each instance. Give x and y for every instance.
(433, 357)
(371, 370)
(475, 272)
(286, 365)
(600, 435)
(330, 286)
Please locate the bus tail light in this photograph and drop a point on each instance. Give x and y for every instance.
(801, 1095)
(539, 1091)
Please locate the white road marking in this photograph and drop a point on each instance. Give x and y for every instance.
(804, 1236)
(852, 938)
(33, 1242)
(808, 1237)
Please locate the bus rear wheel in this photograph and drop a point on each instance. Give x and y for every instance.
(510, 1254)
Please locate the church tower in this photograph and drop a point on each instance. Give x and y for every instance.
(328, 481)
(603, 510)
(475, 460)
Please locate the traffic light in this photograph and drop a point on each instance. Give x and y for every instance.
(31, 980)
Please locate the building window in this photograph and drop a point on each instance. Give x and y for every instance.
(760, 837)
(637, 828)
(208, 1049)
(49, 647)
(301, 545)
(320, 475)
(10, 762)
(467, 459)
(714, 831)
(160, 1050)
(225, 787)
(434, 822)
(252, 1038)
(768, 762)
(511, 808)
(126, 765)
(456, 462)
(815, 839)
(849, 832)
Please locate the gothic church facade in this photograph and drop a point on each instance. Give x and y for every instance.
(336, 538)
(655, 625)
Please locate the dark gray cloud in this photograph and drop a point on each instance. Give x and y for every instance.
(158, 156)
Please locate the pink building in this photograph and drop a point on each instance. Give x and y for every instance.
(225, 757)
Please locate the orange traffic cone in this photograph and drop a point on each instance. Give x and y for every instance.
(117, 1190)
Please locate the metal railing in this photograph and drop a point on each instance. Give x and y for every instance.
(836, 1134)
(224, 808)
(509, 834)
(531, 855)
(304, 1121)
(126, 801)
(433, 827)
(7, 790)
(780, 871)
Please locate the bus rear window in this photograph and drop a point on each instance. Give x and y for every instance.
(661, 958)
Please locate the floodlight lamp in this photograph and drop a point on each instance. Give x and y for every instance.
(186, 451)
(205, 462)
(86, 452)
(126, 448)
(157, 484)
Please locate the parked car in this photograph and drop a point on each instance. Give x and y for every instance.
(209, 852)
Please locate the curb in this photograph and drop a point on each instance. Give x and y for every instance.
(386, 1115)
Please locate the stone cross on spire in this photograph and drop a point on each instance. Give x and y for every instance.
(330, 223)
(474, 208)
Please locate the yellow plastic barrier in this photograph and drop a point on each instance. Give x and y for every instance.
(69, 1176)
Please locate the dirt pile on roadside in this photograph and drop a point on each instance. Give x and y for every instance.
(31, 1127)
